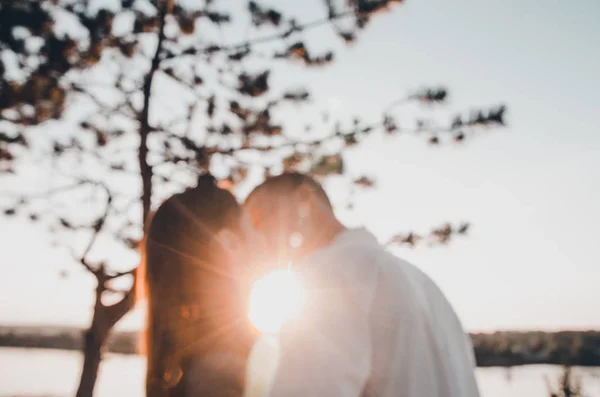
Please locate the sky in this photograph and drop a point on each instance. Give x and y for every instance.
(531, 191)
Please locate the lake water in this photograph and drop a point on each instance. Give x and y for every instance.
(41, 372)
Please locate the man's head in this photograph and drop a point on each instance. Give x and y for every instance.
(293, 214)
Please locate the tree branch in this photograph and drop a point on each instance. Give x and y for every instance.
(211, 49)
(97, 228)
(145, 168)
(119, 274)
(118, 310)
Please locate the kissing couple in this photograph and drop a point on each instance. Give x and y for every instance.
(372, 325)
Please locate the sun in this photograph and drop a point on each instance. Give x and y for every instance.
(274, 299)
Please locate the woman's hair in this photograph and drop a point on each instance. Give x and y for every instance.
(190, 286)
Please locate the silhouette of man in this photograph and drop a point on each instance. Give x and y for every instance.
(373, 324)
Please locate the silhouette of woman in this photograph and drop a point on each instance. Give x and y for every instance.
(197, 337)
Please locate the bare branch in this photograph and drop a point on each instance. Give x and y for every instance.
(96, 229)
(118, 310)
(145, 168)
(294, 28)
(119, 274)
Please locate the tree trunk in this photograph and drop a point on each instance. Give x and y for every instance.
(104, 319)
(92, 353)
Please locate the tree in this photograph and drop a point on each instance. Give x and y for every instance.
(568, 385)
(95, 80)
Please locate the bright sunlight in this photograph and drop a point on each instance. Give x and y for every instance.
(274, 299)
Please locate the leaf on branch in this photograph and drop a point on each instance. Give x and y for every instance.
(367, 7)
(101, 138)
(262, 125)
(477, 118)
(350, 139)
(18, 139)
(5, 154)
(389, 124)
(211, 49)
(210, 109)
(293, 28)
(131, 243)
(431, 95)
(226, 129)
(263, 16)
(463, 228)
(410, 239)
(328, 165)
(292, 162)
(200, 153)
(235, 108)
(94, 53)
(144, 23)
(239, 55)
(320, 60)
(218, 18)
(127, 48)
(187, 24)
(365, 182)
(440, 235)
(348, 37)
(299, 51)
(300, 95)
(364, 9)
(481, 118)
(255, 85)
(497, 115)
(443, 233)
(456, 123)
(10, 211)
(331, 13)
(97, 225)
(57, 148)
(170, 72)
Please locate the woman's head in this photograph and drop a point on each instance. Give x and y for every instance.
(192, 279)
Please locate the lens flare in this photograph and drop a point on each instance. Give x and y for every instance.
(274, 299)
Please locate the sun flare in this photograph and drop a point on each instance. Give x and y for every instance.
(274, 299)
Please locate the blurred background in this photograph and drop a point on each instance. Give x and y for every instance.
(464, 134)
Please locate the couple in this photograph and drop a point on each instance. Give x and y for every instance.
(373, 324)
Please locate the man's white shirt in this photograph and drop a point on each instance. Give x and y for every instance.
(373, 326)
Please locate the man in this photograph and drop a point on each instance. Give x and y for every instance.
(374, 325)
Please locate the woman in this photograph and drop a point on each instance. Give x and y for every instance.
(198, 337)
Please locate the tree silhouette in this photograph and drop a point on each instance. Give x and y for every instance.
(128, 104)
(568, 385)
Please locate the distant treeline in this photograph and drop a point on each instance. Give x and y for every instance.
(508, 348)
(580, 348)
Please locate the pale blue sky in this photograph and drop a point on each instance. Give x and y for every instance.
(531, 191)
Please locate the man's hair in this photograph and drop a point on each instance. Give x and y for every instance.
(286, 184)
